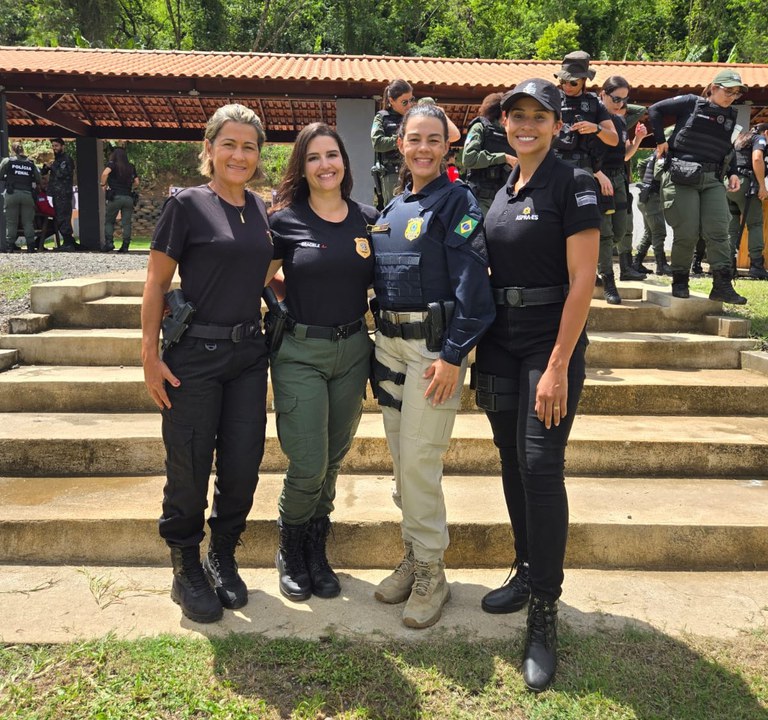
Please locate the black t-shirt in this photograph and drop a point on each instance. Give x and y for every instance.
(120, 184)
(328, 266)
(222, 261)
(526, 232)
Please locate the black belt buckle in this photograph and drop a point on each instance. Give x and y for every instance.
(513, 296)
(243, 330)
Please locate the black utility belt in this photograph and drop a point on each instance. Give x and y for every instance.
(614, 172)
(324, 332)
(524, 297)
(235, 333)
(409, 325)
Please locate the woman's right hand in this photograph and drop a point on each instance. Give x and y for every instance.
(606, 186)
(156, 372)
(661, 149)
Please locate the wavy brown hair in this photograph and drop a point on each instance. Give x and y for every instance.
(294, 187)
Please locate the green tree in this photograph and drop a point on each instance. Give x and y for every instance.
(557, 40)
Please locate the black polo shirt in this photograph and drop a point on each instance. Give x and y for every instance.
(328, 266)
(526, 232)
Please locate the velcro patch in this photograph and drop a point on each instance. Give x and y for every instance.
(466, 226)
(586, 197)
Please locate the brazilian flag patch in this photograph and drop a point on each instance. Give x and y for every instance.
(466, 227)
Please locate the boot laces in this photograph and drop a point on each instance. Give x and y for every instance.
(423, 577)
(223, 555)
(518, 577)
(541, 623)
(406, 565)
(193, 570)
(317, 536)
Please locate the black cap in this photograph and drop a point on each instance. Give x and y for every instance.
(575, 66)
(543, 91)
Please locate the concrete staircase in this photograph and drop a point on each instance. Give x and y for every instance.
(667, 464)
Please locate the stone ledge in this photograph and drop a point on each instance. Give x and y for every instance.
(29, 324)
(755, 360)
(8, 359)
(727, 326)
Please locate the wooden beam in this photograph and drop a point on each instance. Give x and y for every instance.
(35, 106)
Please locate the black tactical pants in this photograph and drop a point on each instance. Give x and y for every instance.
(517, 348)
(219, 409)
(62, 207)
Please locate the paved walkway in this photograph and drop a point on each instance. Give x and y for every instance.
(60, 604)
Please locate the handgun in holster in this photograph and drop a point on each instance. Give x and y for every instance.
(275, 320)
(178, 320)
(378, 190)
(439, 315)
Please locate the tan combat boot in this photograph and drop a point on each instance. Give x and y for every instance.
(396, 587)
(430, 592)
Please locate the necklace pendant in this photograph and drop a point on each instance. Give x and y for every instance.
(242, 219)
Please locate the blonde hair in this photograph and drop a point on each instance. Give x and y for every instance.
(229, 113)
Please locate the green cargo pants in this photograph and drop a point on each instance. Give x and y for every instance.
(737, 201)
(318, 387)
(655, 229)
(613, 227)
(122, 204)
(19, 204)
(693, 211)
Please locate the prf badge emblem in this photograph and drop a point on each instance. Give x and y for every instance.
(363, 247)
(413, 229)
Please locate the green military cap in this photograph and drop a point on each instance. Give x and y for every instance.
(729, 78)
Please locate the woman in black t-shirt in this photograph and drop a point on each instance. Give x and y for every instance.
(542, 235)
(211, 383)
(320, 370)
(119, 180)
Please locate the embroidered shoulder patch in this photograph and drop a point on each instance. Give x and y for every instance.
(466, 227)
(586, 197)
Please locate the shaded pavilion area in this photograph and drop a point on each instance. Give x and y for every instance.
(92, 95)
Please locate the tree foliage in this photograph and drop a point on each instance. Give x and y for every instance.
(609, 29)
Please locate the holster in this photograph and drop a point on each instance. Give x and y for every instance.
(439, 315)
(177, 321)
(275, 320)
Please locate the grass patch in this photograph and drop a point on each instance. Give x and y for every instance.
(609, 675)
(15, 283)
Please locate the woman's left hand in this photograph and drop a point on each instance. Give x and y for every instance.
(445, 377)
(606, 186)
(552, 397)
(734, 183)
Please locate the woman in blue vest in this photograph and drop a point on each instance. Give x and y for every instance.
(697, 158)
(398, 97)
(431, 282)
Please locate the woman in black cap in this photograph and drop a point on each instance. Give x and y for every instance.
(695, 203)
(543, 234)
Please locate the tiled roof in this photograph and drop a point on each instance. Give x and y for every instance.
(157, 94)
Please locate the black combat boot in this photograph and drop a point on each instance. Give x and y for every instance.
(124, 247)
(626, 271)
(696, 268)
(610, 293)
(325, 582)
(680, 285)
(191, 588)
(757, 268)
(512, 595)
(220, 567)
(734, 269)
(662, 267)
(295, 583)
(637, 262)
(540, 657)
(722, 288)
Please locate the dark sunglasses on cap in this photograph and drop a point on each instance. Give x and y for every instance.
(619, 100)
(572, 83)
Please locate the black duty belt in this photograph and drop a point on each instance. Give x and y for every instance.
(324, 332)
(235, 333)
(407, 325)
(523, 297)
(710, 167)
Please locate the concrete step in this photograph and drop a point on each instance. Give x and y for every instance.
(8, 358)
(122, 346)
(615, 391)
(54, 444)
(648, 523)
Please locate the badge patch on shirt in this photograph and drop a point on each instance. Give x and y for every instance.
(413, 229)
(363, 247)
(466, 227)
(586, 197)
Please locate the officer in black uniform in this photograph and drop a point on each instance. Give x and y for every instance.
(584, 117)
(487, 155)
(747, 201)
(21, 178)
(398, 97)
(62, 176)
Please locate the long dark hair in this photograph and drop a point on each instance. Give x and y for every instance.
(123, 170)
(420, 110)
(747, 136)
(294, 187)
(394, 90)
(614, 83)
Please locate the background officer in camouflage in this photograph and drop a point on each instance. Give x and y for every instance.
(60, 188)
(21, 177)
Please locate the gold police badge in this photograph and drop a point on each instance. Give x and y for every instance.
(413, 229)
(363, 247)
